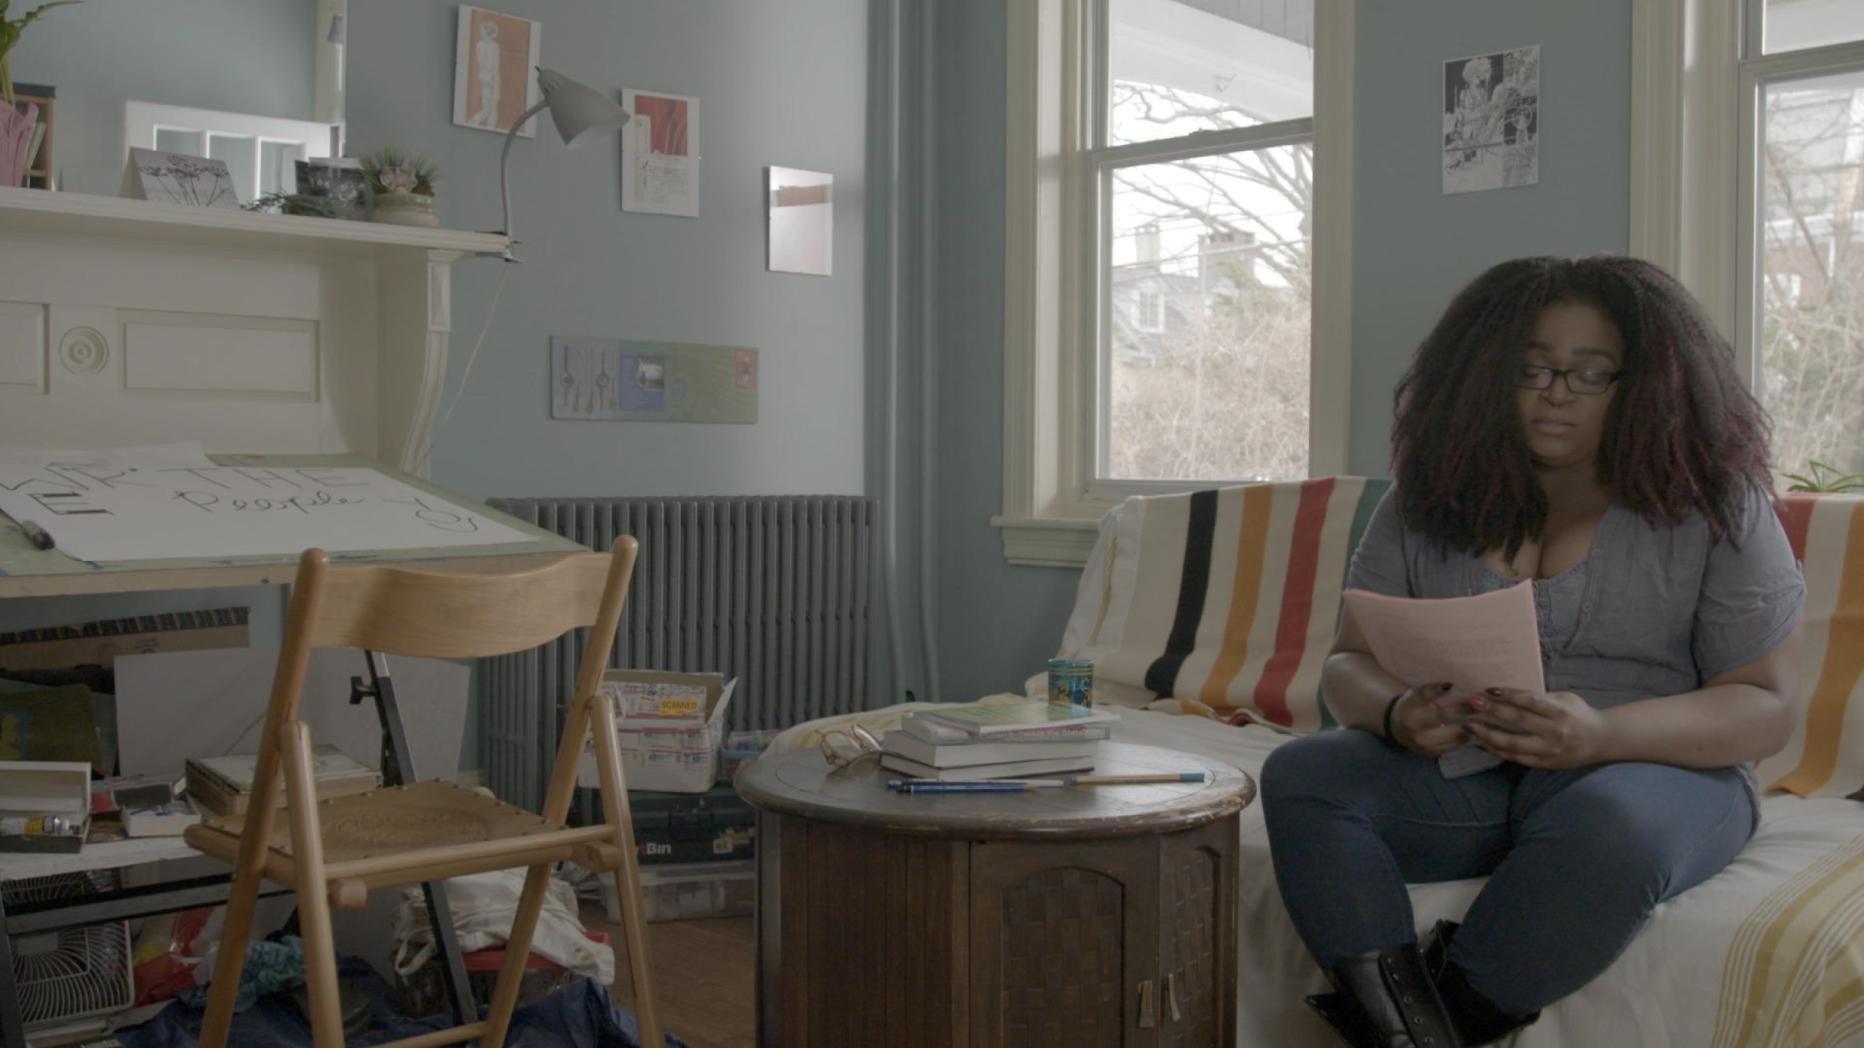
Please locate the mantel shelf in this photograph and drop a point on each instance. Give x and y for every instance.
(37, 211)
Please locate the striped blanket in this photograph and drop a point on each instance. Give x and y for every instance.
(1826, 755)
(1229, 597)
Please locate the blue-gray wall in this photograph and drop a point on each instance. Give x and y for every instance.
(247, 56)
(1413, 248)
(777, 84)
(997, 622)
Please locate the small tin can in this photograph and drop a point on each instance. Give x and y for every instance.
(33, 826)
(1071, 682)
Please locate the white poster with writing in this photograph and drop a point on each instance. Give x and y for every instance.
(123, 506)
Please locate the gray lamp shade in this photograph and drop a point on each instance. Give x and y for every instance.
(578, 109)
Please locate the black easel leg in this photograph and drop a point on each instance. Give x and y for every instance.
(398, 770)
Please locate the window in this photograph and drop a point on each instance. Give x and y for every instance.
(1774, 244)
(1167, 246)
(1801, 306)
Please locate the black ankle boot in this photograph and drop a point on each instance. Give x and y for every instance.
(1476, 1019)
(1385, 1000)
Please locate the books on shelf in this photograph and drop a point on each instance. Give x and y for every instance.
(223, 785)
(974, 751)
(1017, 716)
(1000, 770)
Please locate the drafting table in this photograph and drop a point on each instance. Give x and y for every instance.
(26, 571)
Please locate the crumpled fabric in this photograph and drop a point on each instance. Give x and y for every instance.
(483, 905)
(270, 967)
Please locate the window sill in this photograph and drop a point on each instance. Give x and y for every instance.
(1050, 542)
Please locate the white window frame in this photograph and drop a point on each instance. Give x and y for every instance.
(1051, 502)
(1697, 73)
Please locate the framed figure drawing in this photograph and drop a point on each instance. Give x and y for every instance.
(1491, 121)
(660, 154)
(495, 70)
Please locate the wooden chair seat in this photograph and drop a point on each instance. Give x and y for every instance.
(387, 837)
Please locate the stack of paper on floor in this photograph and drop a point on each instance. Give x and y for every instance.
(996, 742)
(224, 785)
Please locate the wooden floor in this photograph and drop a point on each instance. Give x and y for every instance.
(704, 977)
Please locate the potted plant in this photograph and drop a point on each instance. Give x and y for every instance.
(17, 128)
(10, 29)
(403, 184)
(1826, 480)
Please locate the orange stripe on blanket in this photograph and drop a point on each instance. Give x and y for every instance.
(1844, 662)
(1297, 602)
(1251, 541)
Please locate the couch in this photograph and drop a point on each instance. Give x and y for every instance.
(1226, 601)
(1207, 616)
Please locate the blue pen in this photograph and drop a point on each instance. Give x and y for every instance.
(941, 786)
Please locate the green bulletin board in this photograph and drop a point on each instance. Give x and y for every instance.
(596, 379)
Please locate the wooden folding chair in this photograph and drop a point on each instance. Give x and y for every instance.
(334, 852)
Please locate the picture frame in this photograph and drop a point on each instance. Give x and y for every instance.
(800, 216)
(338, 179)
(493, 53)
(660, 154)
(177, 178)
(1491, 120)
(39, 169)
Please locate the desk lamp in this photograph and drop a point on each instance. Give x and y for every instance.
(580, 113)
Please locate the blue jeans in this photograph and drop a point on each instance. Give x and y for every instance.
(1576, 859)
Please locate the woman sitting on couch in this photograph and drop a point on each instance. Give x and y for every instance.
(1578, 424)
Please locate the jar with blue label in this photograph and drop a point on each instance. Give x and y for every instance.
(1071, 682)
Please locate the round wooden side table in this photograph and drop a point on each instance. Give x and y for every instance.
(1093, 915)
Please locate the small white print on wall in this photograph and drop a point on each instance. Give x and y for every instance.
(1491, 121)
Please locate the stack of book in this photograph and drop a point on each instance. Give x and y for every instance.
(223, 785)
(996, 742)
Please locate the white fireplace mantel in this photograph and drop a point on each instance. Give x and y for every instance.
(130, 322)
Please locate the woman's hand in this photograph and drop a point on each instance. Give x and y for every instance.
(1553, 729)
(1428, 721)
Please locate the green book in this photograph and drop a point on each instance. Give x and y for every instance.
(1017, 716)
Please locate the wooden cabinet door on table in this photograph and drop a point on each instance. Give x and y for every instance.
(1197, 913)
(1064, 937)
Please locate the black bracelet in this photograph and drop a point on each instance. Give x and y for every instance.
(1389, 708)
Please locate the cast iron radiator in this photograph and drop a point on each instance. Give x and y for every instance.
(775, 591)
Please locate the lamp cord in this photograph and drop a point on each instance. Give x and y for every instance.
(466, 372)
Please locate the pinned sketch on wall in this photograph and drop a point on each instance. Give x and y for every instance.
(595, 379)
(495, 70)
(801, 207)
(1491, 121)
(176, 178)
(121, 506)
(660, 154)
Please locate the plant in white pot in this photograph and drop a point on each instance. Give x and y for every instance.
(403, 184)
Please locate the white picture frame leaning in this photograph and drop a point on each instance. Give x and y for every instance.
(660, 154)
(800, 207)
(487, 53)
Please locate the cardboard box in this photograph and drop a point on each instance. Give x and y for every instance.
(672, 828)
(34, 789)
(668, 741)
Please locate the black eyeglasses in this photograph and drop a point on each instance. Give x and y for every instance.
(1586, 381)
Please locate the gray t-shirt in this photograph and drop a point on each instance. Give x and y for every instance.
(1653, 610)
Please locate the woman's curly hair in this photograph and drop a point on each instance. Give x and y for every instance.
(1682, 434)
